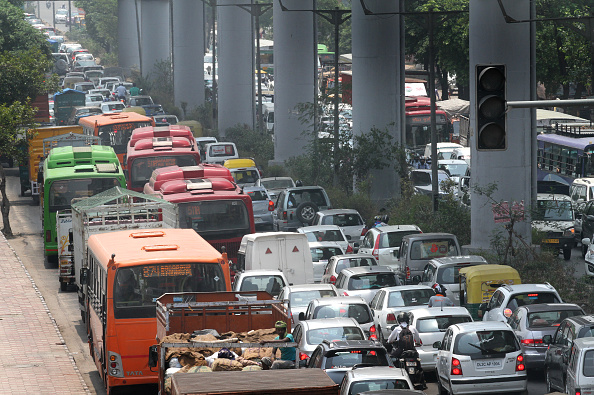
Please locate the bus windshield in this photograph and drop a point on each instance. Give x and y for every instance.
(117, 135)
(418, 131)
(62, 192)
(142, 168)
(215, 219)
(137, 288)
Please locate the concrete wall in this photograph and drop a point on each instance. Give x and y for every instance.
(155, 37)
(128, 55)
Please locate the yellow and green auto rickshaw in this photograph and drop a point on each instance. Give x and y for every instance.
(477, 284)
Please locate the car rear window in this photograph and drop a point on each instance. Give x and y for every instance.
(302, 298)
(354, 262)
(317, 336)
(436, 248)
(378, 384)
(440, 323)
(483, 344)
(324, 253)
(308, 195)
(257, 196)
(393, 239)
(349, 358)
(528, 298)
(342, 220)
(325, 235)
(450, 274)
(589, 363)
(550, 318)
(586, 332)
(413, 297)
(359, 311)
(373, 281)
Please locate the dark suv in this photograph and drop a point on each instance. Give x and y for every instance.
(297, 207)
(337, 357)
(557, 355)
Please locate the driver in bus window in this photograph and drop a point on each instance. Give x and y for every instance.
(126, 289)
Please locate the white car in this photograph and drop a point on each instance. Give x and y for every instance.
(479, 358)
(507, 298)
(321, 252)
(298, 297)
(308, 334)
(112, 106)
(348, 220)
(271, 281)
(61, 15)
(388, 302)
(360, 380)
(384, 242)
(580, 372)
(93, 99)
(322, 233)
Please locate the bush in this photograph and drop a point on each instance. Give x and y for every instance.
(252, 144)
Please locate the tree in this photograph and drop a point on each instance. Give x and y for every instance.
(101, 32)
(23, 75)
(17, 33)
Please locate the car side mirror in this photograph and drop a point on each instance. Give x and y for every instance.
(547, 339)
(153, 356)
(437, 344)
(416, 279)
(302, 316)
(586, 241)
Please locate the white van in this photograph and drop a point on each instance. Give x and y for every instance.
(284, 251)
(581, 190)
(218, 153)
(580, 372)
(268, 115)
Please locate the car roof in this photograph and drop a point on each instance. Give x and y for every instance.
(316, 228)
(405, 287)
(452, 162)
(350, 256)
(308, 287)
(324, 244)
(584, 342)
(350, 344)
(456, 260)
(540, 307)
(552, 197)
(378, 372)
(439, 311)
(466, 327)
(395, 228)
(338, 300)
(367, 269)
(275, 178)
(336, 211)
(261, 272)
(584, 320)
(304, 188)
(428, 171)
(428, 235)
(329, 323)
(516, 288)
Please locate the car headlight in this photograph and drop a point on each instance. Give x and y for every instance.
(570, 232)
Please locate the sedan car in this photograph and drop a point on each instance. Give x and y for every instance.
(320, 255)
(321, 233)
(531, 323)
(479, 358)
(263, 206)
(348, 220)
(365, 281)
(336, 358)
(352, 306)
(388, 302)
(93, 99)
(308, 334)
(298, 297)
(358, 380)
(384, 242)
(339, 262)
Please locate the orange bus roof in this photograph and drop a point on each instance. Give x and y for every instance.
(160, 248)
(114, 118)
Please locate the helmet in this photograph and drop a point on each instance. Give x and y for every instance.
(439, 289)
(385, 218)
(403, 317)
(377, 218)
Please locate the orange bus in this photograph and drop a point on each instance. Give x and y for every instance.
(126, 272)
(115, 129)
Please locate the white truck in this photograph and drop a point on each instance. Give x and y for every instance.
(287, 252)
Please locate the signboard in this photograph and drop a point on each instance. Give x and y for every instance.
(415, 89)
(169, 270)
(222, 150)
(161, 161)
(424, 119)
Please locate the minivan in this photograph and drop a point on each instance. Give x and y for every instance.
(218, 153)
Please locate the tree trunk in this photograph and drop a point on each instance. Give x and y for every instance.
(5, 206)
(445, 85)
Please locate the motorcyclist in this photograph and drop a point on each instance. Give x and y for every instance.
(439, 299)
(404, 338)
(121, 93)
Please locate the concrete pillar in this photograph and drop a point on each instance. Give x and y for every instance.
(377, 83)
(188, 53)
(235, 63)
(510, 170)
(128, 55)
(294, 73)
(155, 37)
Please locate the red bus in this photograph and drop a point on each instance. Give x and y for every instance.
(127, 272)
(152, 148)
(418, 124)
(214, 207)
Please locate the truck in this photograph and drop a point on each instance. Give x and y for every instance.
(64, 102)
(221, 311)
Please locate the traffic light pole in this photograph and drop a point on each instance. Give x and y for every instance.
(550, 103)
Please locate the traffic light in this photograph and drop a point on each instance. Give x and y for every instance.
(491, 107)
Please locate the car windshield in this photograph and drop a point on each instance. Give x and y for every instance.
(554, 210)
(378, 384)
(393, 239)
(354, 262)
(277, 184)
(439, 324)
(483, 343)
(436, 248)
(550, 318)
(359, 311)
(455, 170)
(317, 336)
(324, 235)
(324, 253)
(373, 281)
(268, 283)
(302, 298)
(523, 299)
(412, 297)
(349, 358)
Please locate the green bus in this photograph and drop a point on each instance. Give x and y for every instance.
(71, 173)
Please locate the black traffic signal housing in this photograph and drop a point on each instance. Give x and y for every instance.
(491, 107)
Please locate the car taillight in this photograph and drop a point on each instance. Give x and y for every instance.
(303, 356)
(333, 280)
(531, 342)
(349, 249)
(284, 215)
(456, 368)
(390, 319)
(364, 232)
(408, 273)
(569, 232)
(344, 293)
(578, 391)
(48, 236)
(270, 205)
(520, 363)
(375, 251)
(372, 333)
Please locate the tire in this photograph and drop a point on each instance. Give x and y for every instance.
(440, 389)
(306, 212)
(567, 254)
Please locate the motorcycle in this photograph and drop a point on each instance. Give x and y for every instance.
(409, 361)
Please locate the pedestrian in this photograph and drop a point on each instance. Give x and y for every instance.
(287, 358)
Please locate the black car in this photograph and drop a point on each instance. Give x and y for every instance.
(559, 347)
(337, 357)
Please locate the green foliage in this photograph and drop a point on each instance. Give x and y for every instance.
(18, 34)
(12, 119)
(359, 201)
(252, 144)
(17, 3)
(159, 85)
(202, 114)
(326, 29)
(23, 75)
(100, 34)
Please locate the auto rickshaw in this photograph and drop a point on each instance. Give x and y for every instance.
(195, 127)
(477, 284)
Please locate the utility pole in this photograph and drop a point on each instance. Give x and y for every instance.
(213, 6)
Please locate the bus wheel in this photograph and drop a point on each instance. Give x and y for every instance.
(567, 254)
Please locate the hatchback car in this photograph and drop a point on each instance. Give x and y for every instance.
(348, 220)
(298, 297)
(361, 379)
(580, 373)
(559, 347)
(308, 334)
(480, 357)
(93, 99)
(422, 181)
(112, 106)
(336, 358)
(321, 252)
(388, 302)
(296, 207)
(507, 298)
(262, 205)
(321, 233)
(140, 100)
(339, 262)
(271, 281)
(384, 242)
(531, 323)
(337, 307)
(365, 281)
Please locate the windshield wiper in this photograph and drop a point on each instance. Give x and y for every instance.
(479, 347)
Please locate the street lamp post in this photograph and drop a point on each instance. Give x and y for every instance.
(213, 6)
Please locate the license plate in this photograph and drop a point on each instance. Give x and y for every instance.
(411, 364)
(494, 364)
(551, 241)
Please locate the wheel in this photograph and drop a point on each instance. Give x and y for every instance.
(548, 381)
(63, 286)
(567, 254)
(306, 212)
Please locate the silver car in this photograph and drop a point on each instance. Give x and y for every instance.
(339, 262)
(321, 233)
(262, 205)
(384, 242)
(308, 334)
(320, 255)
(298, 297)
(352, 306)
(365, 281)
(348, 220)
